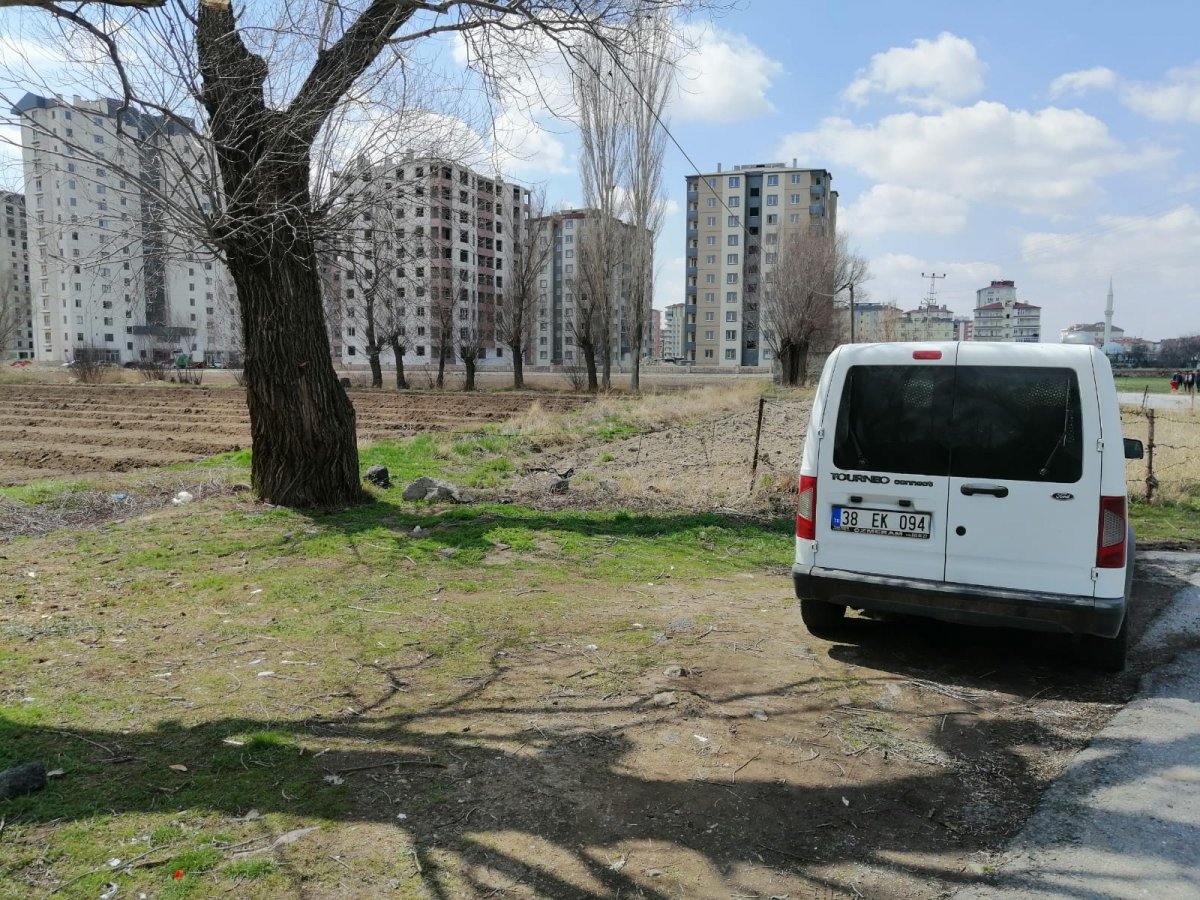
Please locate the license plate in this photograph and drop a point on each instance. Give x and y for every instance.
(887, 522)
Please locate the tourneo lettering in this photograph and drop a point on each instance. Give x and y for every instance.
(855, 476)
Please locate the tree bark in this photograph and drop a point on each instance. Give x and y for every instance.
(589, 360)
(518, 353)
(441, 378)
(302, 424)
(398, 353)
(469, 366)
(376, 368)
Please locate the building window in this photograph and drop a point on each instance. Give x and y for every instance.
(709, 335)
(710, 260)
(731, 335)
(735, 181)
(772, 199)
(711, 221)
(733, 222)
(731, 296)
(731, 277)
(731, 259)
(712, 202)
(731, 316)
(794, 198)
(709, 317)
(796, 178)
(734, 202)
(710, 279)
(772, 180)
(708, 354)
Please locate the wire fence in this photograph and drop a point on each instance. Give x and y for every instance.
(1170, 468)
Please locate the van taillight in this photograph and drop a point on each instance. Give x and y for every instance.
(1111, 534)
(806, 508)
(927, 354)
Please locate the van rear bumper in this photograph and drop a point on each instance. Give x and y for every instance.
(962, 603)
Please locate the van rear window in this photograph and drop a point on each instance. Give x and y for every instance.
(1017, 423)
(895, 419)
(1009, 423)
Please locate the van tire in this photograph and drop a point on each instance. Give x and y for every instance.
(1106, 654)
(822, 619)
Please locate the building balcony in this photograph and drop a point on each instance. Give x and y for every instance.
(691, 290)
(689, 347)
(693, 196)
(689, 309)
(689, 328)
(816, 209)
(816, 191)
(693, 215)
(691, 271)
(692, 233)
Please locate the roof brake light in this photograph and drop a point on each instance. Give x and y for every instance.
(927, 354)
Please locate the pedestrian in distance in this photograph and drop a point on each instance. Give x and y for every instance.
(1176, 378)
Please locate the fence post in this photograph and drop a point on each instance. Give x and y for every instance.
(757, 435)
(1151, 481)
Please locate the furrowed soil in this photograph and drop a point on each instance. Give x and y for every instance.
(607, 693)
(56, 431)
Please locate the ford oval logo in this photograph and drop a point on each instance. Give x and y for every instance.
(1064, 496)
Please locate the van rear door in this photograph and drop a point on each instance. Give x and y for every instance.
(883, 478)
(1024, 474)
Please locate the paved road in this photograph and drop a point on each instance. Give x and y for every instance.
(1159, 401)
(1124, 820)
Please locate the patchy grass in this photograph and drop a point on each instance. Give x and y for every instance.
(1139, 383)
(171, 689)
(1166, 522)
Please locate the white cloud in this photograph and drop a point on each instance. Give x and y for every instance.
(1177, 99)
(723, 77)
(1151, 258)
(669, 281)
(891, 207)
(1033, 161)
(929, 74)
(520, 144)
(896, 277)
(1098, 78)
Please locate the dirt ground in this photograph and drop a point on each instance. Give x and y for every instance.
(749, 759)
(54, 431)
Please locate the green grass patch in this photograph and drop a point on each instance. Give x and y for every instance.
(1166, 520)
(249, 869)
(50, 490)
(1139, 383)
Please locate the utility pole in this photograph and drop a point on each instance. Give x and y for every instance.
(852, 313)
(931, 298)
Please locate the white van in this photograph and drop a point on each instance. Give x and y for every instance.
(981, 483)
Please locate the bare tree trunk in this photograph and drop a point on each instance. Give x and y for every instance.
(301, 421)
(441, 376)
(589, 360)
(469, 366)
(398, 353)
(518, 353)
(373, 359)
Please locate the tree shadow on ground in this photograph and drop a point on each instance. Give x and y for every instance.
(536, 797)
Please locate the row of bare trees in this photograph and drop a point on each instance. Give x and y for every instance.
(256, 86)
(620, 110)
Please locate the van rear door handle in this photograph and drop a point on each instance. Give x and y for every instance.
(996, 490)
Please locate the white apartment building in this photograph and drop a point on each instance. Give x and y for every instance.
(430, 243)
(16, 325)
(736, 222)
(673, 319)
(999, 316)
(555, 338)
(873, 322)
(113, 272)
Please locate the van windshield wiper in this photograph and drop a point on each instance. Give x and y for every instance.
(1062, 438)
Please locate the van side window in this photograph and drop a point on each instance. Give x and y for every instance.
(1017, 423)
(895, 419)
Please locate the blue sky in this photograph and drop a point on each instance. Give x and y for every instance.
(1051, 143)
(957, 146)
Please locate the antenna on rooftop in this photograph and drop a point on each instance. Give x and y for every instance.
(930, 300)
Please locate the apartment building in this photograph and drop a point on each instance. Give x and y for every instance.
(672, 336)
(424, 251)
(928, 323)
(16, 324)
(114, 271)
(999, 316)
(557, 309)
(873, 322)
(736, 222)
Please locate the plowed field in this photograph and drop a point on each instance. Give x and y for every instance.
(52, 431)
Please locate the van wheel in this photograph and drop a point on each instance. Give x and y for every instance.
(1106, 654)
(822, 619)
